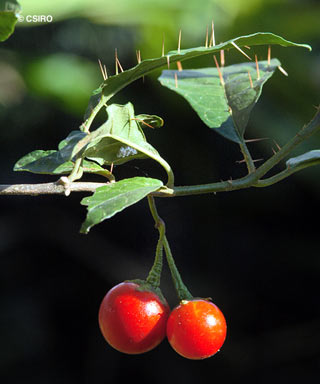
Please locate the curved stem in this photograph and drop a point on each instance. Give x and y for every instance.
(166, 166)
(86, 125)
(76, 172)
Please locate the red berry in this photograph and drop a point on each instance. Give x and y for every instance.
(196, 329)
(133, 320)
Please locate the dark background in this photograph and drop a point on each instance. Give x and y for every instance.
(255, 252)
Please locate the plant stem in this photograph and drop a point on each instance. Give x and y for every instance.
(155, 272)
(86, 125)
(181, 289)
(251, 180)
(76, 172)
(247, 157)
(166, 166)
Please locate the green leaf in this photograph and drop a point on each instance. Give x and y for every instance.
(43, 162)
(72, 144)
(306, 160)
(120, 139)
(115, 83)
(8, 17)
(50, 162)
(114, 197)
(53, 162)
(227, 107)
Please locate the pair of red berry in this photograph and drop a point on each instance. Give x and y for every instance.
(135, 320)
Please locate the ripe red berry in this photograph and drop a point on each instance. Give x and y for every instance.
(133, 320)
(196, 329)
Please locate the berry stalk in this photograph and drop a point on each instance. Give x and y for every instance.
(182, 291)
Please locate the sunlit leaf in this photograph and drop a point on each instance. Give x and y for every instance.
(225, 107)
(8, 17)
(115, 83)
(114, 197)
(120, 139)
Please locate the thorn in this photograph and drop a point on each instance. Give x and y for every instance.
(274, 152)
(240, 50)
(257, 67)
(120, 66)
(219, 71)
(212, 38)
(222, 61)
(179, 41)
(103, 70)
(179, 66)
(243, 161)
(247, 46)
(269, 54)
(253, 140)
(138, 56)
(207, 38)
(230, 181)
(142, 122)
(168, 61)
(277, 145)
(283, 71)
(250, 79)
(111, 168)
(116, 60)
(176, 79)
(162, 52)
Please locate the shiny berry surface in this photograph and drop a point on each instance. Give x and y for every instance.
(196, 329)
(131, 320)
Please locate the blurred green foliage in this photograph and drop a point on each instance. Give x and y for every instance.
(63, 78)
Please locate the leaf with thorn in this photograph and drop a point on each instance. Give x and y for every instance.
(121, 139)
(151, 121)
(223, 98)
(113, 198)
(115, 83)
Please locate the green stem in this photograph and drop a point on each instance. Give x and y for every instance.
(182, 291)
(166, 166)
(252, 179)
(86, 125)
(155, 272)
(247, 157)
(76, 172)
(284, 174)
